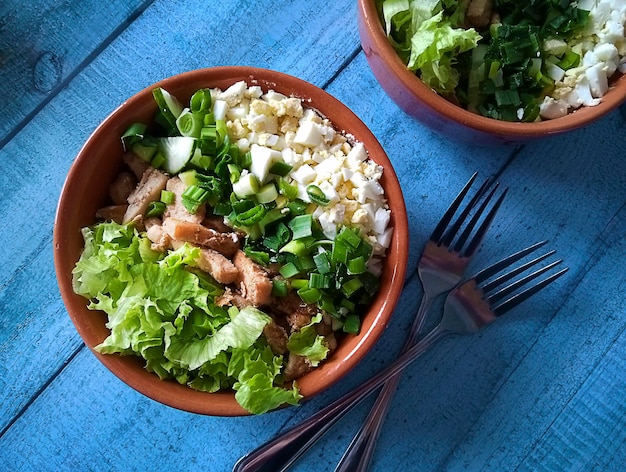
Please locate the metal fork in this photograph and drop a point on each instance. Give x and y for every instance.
(441, 266)
(468, 308)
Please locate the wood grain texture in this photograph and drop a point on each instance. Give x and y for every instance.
(542, 389)
(44, 44)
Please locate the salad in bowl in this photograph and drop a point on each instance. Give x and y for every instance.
(242, 248)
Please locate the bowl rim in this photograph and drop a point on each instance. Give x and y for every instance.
(223, 403)
(420, 91)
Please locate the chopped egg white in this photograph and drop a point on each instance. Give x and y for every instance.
(276, 128)
(602, 46)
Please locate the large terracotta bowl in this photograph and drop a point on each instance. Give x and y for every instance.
(85, 190)
(422, 103)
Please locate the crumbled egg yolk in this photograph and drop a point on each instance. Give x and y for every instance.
(274, 127)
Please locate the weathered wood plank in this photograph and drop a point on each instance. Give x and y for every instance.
(44, 44)
(589, 433)
(505, 386)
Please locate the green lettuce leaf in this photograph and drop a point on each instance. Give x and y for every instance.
(161, 308)
(240, 333)
(428, 37)
(434, 48)
(308, 343)
(255, 387)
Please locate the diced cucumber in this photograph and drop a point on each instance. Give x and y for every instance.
(169, 106)
(177, 151)
(146, 148)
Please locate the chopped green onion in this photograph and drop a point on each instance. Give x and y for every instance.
(132, 135)
(188, 177)
(202, 161)
(167, 197)
(309, 295)
(319, 280)
(222, 209)
(296, 247)
(288, 190)
(356, 265)
(267, 193)
(280, 288)
(158, 160)
(154, 209)
(352, 324)
(351, 286)
(201, 101)
(301, 226)
(259, 257)
(298, 284)
(194, 196)
(280, 168)
(569, 60)
(251, 216)
(246, 186)
(189, 123)
(305, 262)
(297, 207)
(146, 148)
(370, 282)
(322, 262)
(350, 237)
(340, 252)
(316, 195)
(235, 173)
(507, 97)
(289, 270)
(272, 216)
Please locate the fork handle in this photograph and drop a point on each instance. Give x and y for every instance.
(359, 453)
(281, 452)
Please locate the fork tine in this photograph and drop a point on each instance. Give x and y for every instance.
(520, 297)
(488, 287)
(507, 261)
(505, 291)
(454, 229)
(447, 217)
(482, 229)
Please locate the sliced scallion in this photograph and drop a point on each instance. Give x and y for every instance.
(167, 197)
(316, 195)
(154, 209)
(192, 197)
(301, 226)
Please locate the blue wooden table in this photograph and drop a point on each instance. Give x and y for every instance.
(544, 388)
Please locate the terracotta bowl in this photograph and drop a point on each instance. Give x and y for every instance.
(422, 103)
(85, 190)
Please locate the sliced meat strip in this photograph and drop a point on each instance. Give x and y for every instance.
(296, 367)
(213, 263)
(217, 266)
(254, 283)
(177, 209)
(160, 239)
(224, 243)
(122, 187)
(216, 223)
(148, 190)
(478, 14)
(276, 337)
(230, 297)
(136, 164)
(112, 213)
